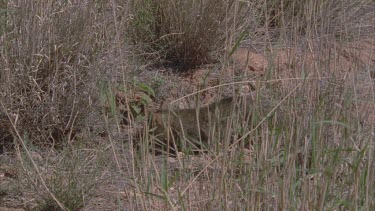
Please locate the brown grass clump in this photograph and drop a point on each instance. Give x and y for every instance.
(46, 57)
(183, 34)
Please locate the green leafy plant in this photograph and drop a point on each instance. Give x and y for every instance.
(138, 107)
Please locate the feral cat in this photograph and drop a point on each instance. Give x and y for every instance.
(198, 125)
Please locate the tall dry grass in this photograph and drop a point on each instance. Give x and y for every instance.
(54, 53)
(322, 155)
(47, 49)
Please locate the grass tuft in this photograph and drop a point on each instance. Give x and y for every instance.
(183, 34)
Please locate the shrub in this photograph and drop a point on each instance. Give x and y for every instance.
(184, 34)
(46, 54)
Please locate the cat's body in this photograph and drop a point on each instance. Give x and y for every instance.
(197, 124)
